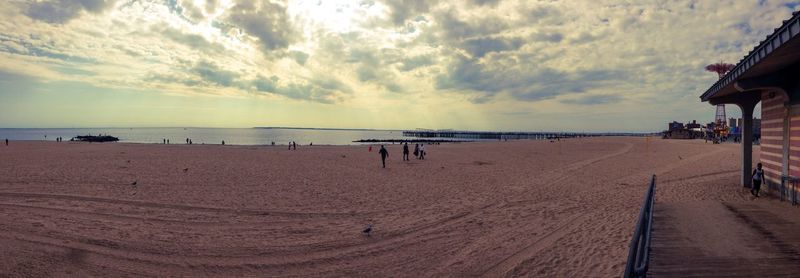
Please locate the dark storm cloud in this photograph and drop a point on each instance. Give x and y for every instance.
(402, 10)
(267, 21)
(593, 100)
(527, 84)
(62, 11)
(480, 46)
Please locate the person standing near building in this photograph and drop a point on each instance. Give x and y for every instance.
(758, 177)
(405, 151)
(384, 154)
(422, 151)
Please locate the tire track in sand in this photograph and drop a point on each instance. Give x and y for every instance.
(509, 263)
(182, 207)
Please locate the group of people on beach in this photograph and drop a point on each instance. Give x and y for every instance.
(419, 153)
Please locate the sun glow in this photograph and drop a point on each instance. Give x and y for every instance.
(334, 16)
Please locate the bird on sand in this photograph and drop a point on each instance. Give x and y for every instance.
(367, 230)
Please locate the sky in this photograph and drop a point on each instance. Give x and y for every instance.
(545, 65)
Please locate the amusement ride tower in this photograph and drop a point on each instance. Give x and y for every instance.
(720, 127)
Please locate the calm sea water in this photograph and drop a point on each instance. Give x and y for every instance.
(233, 136)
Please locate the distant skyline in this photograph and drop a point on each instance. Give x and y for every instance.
(471, 65)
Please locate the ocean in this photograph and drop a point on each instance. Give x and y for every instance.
(232, 136)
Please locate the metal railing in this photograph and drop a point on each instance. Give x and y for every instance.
(789, 193)
(639, 253)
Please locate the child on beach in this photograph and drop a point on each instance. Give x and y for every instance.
(758, 177)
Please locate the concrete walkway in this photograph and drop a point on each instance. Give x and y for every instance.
(759, 238)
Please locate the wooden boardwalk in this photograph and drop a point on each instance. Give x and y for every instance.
(759, 238)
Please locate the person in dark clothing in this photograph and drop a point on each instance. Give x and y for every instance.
(416, 151)
(294, 145)
(6, 141)
(758, 177)
(384, 154)
(405, 152)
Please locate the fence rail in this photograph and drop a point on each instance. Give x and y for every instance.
(639, 253)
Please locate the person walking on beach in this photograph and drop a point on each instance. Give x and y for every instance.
(384, 154)
(422, 151)
(416, 151)
(294, 145)
(6, 141)
(758, 177)
(405, 151)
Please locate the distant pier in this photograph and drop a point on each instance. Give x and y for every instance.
(488, 135)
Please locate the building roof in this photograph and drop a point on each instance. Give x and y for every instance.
(775, 52)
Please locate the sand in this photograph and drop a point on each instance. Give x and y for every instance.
(517, 208)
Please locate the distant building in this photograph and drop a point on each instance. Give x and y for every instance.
(694, 126)
(674, 125)
(677, 130)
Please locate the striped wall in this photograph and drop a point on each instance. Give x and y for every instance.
(772, 122)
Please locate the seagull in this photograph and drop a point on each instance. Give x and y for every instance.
(367, 230)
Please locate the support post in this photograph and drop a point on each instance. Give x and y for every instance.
(747, 142)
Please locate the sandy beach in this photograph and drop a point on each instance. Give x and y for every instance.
(517, 208)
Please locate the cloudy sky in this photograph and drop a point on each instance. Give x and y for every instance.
(592, 65)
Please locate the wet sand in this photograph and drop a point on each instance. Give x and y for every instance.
(517, 208)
